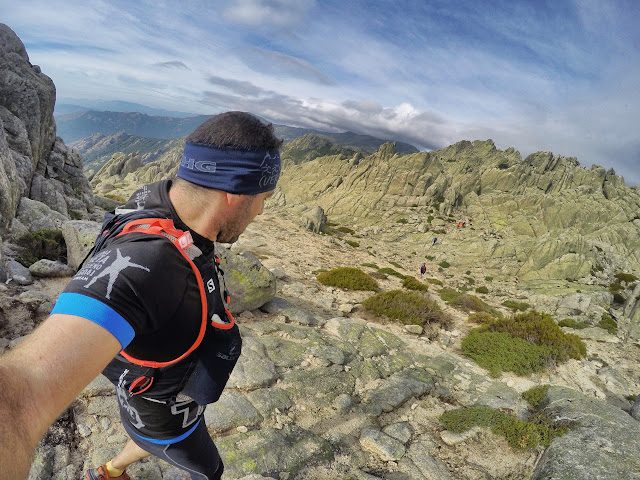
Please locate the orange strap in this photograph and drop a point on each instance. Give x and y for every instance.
(165, 228)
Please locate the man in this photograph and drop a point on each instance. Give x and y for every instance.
(147, 310)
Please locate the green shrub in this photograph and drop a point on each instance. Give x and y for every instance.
(516, 306)
(353, 244)
(407, 307)
(320, 270)
(464, 301)
(391, 271)
(534, 396)
(608, 323)
(379, 275)
(411, 283)
(470, 280)
(396, 264)
(568, 322)
(370, 265)
(541, 329)
(402, 220)
(434, 281)
(345, 230)
(626, 277)
(430, 257)
(444, 264)
(481, 317)
(615, 287)
(498, 352)
(468, 272)
(39, 244)
(348, 278)
(488, 278)
(482, 289)
(537, 430)
(430, 218)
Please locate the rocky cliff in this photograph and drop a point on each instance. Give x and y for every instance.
(34, 163)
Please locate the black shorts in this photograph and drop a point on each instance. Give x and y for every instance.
(196, 454)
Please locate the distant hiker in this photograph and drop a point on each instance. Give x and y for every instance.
(435, 239)
(464, 224)
(149, 304)
(423, 269)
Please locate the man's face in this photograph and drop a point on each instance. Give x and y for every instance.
(246, 208)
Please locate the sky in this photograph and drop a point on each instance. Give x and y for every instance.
(561, 76)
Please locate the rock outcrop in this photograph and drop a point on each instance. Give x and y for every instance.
(34, 163)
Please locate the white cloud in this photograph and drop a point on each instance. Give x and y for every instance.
(278, 13)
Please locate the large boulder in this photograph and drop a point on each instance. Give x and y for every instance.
(250, 284)
(79, 235)
(316, 220)
(603, 444)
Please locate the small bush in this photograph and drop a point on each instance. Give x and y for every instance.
(481, 317)
(534, 396)
(379, 275)
(434, 281)
(608, 323)
(39, 244)
(444, 264)
(370, 265)
(488, 278)
(430, 257)
(402, 220)
(470, 280)
(391, 271)
(411, 283)
(468, 272)
(520, 434)
(353, 244)
(396, 264)
(430, 218)
(524, 343)
(615, 287)
(407, 307)
(464, 301)
(516, 306)
(499, 352)
(345, 230)
(320, 270)
(626, 277)
(348, 278)
(541, 329)
(568, 322)
(482, 289)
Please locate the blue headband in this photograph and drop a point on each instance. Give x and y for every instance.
(244, 172)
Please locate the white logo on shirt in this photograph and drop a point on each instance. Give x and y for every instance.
(113, 270)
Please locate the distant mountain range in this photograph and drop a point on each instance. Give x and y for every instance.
(98, 134)
(72, 105)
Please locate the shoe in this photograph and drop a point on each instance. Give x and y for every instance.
(101, 474)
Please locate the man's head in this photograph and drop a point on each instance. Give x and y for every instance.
(232, 160)
(233, 152)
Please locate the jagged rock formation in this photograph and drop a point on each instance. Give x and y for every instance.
(34, 163)
(97, 149)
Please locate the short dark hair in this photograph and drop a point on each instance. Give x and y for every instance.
(236, 129)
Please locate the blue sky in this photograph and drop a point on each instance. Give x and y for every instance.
(560, 76)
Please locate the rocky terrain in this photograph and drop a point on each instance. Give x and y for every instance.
(324, 389)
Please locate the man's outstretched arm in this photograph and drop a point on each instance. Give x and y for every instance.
(40, 378)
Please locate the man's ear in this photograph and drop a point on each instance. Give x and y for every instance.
(232, 199)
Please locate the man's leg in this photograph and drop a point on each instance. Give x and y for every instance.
(115, 467)
(129, 454)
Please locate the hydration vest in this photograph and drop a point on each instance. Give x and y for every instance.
(200, 373)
